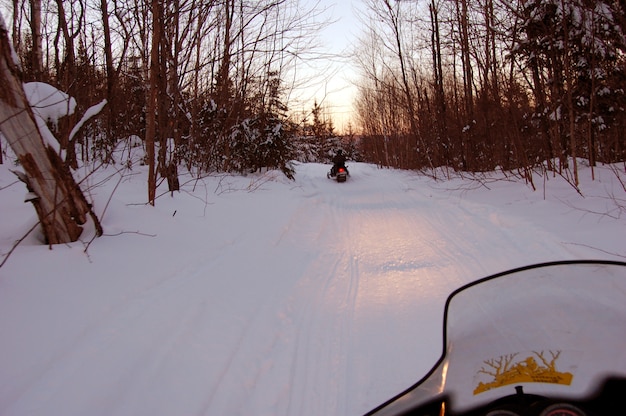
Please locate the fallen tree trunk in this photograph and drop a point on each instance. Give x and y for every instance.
(58, 200)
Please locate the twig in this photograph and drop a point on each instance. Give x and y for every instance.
(9, 185)
(597, 249)
(104, 211)
(618, 176)
(17, 243)
(131, 232)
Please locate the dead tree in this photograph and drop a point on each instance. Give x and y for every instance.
(60, 204)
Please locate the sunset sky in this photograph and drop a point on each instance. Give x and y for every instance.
(335, 89)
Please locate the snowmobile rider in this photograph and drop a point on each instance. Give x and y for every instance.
(339, 161)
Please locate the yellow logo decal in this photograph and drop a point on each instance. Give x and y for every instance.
(508, 369)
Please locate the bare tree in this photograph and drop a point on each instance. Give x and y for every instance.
(393, 19)
(36, 61)
(152, 100)
(66, 67)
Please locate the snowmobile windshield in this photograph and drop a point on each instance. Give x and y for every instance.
(550, 329)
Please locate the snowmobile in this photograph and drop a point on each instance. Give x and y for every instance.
(340, 174)
(541, 340)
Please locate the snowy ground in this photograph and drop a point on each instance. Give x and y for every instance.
(264, 296)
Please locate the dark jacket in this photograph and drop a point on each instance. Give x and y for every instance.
(339, 160)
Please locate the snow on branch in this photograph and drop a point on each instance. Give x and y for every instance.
(92, 111)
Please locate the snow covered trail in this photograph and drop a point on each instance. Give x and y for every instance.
(388, 254)
(302, 298)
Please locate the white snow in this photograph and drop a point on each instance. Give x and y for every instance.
(49, 105)
(92, 111)
(48, 102)
(263, 296)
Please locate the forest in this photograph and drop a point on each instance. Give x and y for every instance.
(480, 85)
(206, 84)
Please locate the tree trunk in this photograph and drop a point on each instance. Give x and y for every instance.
(66, 75)
(468, 75)
(151, 104)
(60, 204)
(36, 60)
(110, 72)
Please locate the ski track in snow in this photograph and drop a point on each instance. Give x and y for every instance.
(354, 273)
(370, 228)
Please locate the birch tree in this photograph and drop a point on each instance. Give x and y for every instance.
(59, 202)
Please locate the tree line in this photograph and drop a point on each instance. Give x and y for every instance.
(477, 85)
(207, 84)
(203, 83)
